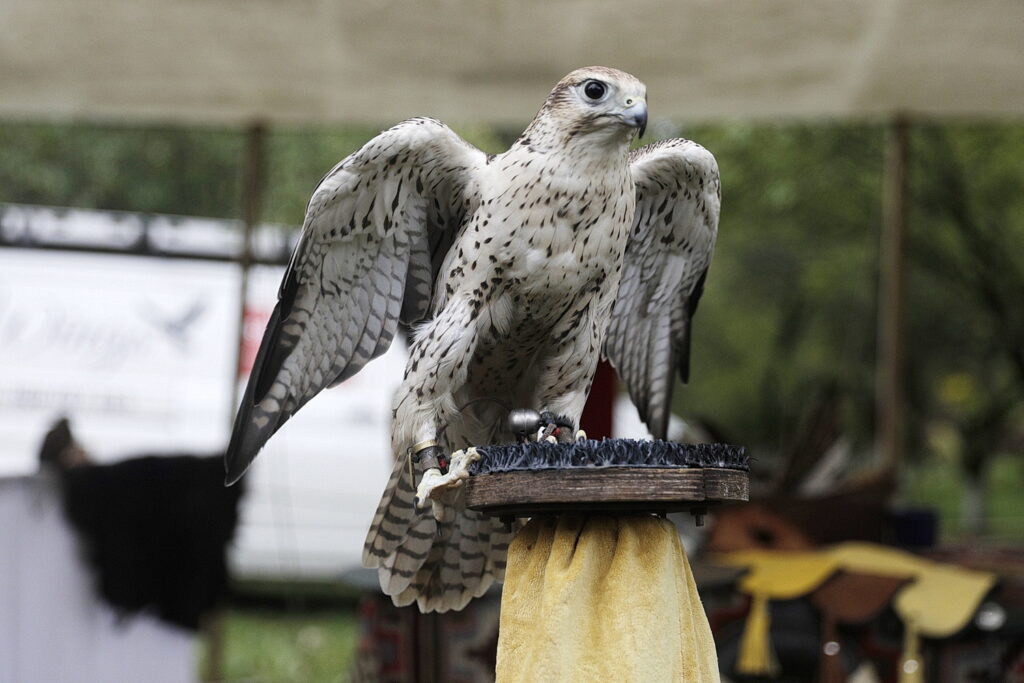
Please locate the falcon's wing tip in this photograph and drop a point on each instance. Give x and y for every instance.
(247, 440)
(236, 464)
(233, 473)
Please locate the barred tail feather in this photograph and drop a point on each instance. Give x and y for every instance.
(462, 564)
(438, 565)
(401, 535)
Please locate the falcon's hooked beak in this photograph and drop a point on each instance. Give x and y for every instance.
(635, 114)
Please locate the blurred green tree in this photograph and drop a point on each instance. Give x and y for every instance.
(160, 170)
(787, 325)
(967, 294)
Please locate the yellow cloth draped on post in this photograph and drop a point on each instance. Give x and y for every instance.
(599, 598)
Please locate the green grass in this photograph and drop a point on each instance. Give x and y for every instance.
(939, 485)
(262, 646)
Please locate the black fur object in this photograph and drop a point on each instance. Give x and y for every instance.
(156, 530)
(543, 455)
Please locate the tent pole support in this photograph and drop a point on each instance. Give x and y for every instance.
(252, 204)
(889, 391)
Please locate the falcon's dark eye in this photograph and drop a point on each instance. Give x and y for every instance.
(595, 90)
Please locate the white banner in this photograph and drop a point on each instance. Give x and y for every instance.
(137, 351)
(140, 353)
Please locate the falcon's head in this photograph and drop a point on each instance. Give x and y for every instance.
(597, 101)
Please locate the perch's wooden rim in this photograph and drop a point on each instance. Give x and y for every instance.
(527, 493)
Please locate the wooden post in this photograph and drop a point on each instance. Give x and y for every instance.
(889, 399)
(252, 205)
(213, 626)
(252, 202)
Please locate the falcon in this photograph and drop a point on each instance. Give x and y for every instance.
(515, 273)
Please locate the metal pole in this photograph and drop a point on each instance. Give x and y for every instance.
(889, 399)
(252, 204)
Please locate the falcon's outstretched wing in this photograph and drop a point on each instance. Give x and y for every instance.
(375, 233)
(667, 258)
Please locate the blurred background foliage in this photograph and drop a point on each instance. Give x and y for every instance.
(788, 314)
(312, 646)
(788, 320)
(786, 331)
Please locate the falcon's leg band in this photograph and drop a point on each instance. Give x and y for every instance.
(430, 456)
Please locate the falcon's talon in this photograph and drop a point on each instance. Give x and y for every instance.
(581, 435)
(435, 488)
(551, 438)
(428, 482)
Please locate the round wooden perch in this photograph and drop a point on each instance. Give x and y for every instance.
(616, 475)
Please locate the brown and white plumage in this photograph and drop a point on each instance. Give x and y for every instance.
(509, 267)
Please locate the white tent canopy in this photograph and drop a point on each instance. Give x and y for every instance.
(378, 61)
